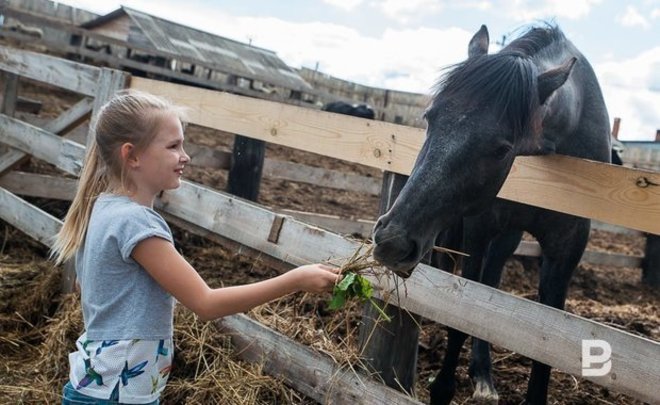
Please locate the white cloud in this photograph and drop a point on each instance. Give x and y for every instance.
(632, 92)
(407, 60)
(405, 10)
(633, 18)
(525, 10)
(480, 5)
(346, 5)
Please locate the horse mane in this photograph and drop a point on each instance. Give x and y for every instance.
(535, 40)
(505, 81)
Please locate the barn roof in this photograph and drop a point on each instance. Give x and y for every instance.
(239, 58)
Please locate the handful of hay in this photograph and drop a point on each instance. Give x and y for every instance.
(353, 284)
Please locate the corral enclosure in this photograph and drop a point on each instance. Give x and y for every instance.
(296, 242)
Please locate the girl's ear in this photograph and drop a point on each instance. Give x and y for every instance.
(128, 156)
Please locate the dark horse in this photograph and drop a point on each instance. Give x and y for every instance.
(356, 110)
(538, 95)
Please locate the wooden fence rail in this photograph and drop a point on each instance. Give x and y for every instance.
(56, 187)
(608, 193)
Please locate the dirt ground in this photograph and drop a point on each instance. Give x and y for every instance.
(610, 295)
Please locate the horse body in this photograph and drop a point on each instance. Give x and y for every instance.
(538, 95)
(356, 110)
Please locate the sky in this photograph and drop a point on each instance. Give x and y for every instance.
(404, 44)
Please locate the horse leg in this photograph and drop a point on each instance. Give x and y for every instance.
(500, 249)
(443, 387)
(562, 252)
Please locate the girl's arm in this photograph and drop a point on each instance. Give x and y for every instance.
(179, 278)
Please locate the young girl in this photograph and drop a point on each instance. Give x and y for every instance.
(127, 267)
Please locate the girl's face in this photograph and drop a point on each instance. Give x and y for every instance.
(160, 165)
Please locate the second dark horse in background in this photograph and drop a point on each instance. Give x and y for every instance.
(538, 95)
(356, 110)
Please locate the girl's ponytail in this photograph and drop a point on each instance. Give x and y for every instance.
(93, 181)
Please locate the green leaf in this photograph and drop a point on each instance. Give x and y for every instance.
(346, 281)
(338, 300)
(366, 290)
(354, 285)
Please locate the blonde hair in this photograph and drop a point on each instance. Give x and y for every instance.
(129, 117)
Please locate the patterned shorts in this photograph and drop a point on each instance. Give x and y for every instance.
(121, 371)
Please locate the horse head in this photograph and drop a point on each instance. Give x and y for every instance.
(486, 111)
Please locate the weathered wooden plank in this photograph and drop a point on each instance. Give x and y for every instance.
(373, 143)
(333, 223)
(309, 372)
(39, 185)
(529, 328)
(61, 124)
(20, 214)
(61, 188)
(25, 104)
(110, 81)
(532, 249)
(596, 190)
(611, 259)
(321, 177)
(70, 118)
(612, 194)
(48, 69)
(205, 156)
(10, 159)
(63, 153)
(9, 100)
(528, 248)
(602, 226)
(278, 169)
(9, 93)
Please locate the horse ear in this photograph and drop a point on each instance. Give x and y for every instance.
(552, 79)
(479, 43)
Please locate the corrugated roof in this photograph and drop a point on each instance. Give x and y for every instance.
(237, 57)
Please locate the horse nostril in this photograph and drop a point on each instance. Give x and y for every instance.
(378, 231)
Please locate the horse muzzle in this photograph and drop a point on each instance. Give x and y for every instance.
(394, 249)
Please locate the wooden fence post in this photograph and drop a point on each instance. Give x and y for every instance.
(390, 348)
(110, 82)
(246, 167)
(9, 98)
(9, 93)
(651, 261)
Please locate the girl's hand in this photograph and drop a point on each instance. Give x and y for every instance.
(316, 278)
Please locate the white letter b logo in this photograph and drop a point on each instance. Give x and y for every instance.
(601, 360)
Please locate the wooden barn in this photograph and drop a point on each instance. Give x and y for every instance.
(191, 51)
(146, 45)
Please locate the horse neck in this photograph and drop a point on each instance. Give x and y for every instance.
(577, 120)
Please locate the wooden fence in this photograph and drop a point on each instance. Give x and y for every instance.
(529, 328)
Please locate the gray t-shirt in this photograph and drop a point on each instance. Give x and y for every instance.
(120, 300)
